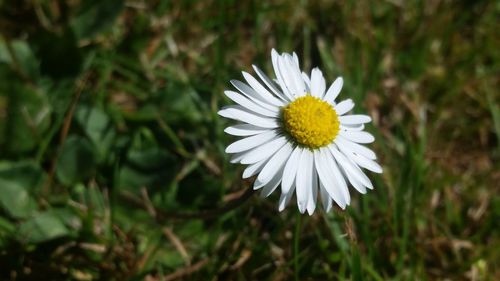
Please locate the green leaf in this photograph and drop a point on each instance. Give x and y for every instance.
(6, 230)
(27, 113)
(21, 57)
(94, 16)
(149, 167)
(28, 174)
(95, 200)
(68, 217)
(43, 227)
(178, 105)
(6, 226)
(76, 161)
(17, 182)
(15, 199)
(98, 128)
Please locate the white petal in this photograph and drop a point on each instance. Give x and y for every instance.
(327, 180)
(326, 201)
(270, 84)
(348, 146)
(296, 59)
(317, 83)
(331, 177)
(344, 106)
(253, 95)
(251, 142)
(250, 105)
(287, 77)
(257, 184)
(276, 164)
(238, 113)
(307, 81)
(236, 157)
(355, 136)
(261, 90)
(354, 119)
(245, 157)
(244, 130)
(285, 198)
(357, 127)
(350, 168)
(290, 170)
(271, 186)
(254, 169)
(303, 180)
(361, 188)
(279, 75)
(296, 75)
(361, 176)
(313, 193)
(366, 163)
(264, 151)
(334, 90)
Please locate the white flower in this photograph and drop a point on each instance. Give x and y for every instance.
(296, 134)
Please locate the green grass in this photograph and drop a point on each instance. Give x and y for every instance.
(112, 153)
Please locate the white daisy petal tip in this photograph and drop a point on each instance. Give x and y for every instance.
(222, 112)
(373, 166)
(328, 208)
(302, 207)
(355, 119)
(294, 136)
(296, 59)
(311, 209)
(274, 53)
(334, 90)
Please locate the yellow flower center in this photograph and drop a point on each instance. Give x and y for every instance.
(311, 121)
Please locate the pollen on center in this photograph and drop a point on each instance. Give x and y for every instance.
(311, 122)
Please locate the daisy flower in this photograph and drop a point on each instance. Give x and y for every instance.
(295, 133)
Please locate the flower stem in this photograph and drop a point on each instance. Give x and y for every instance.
(296, 245)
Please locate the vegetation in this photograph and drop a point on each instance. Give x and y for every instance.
(112, 154)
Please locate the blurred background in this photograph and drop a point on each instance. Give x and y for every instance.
(112, 154)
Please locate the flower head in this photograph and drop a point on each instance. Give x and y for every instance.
(295, 134)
